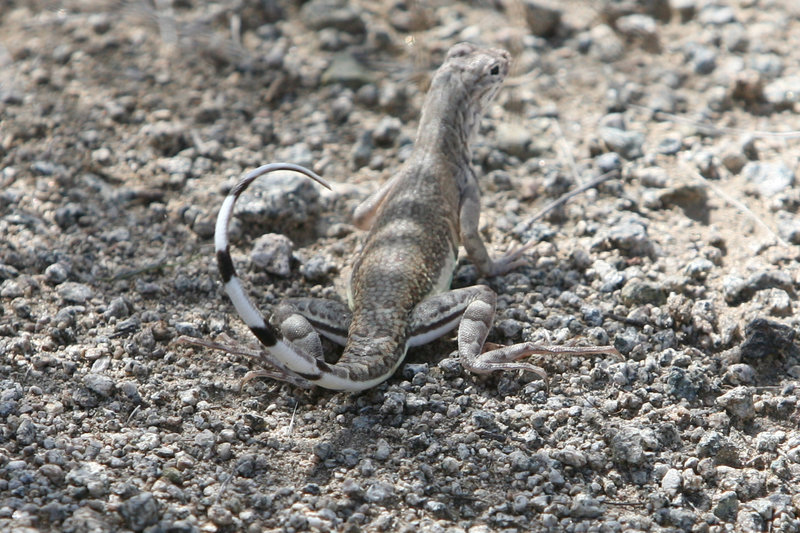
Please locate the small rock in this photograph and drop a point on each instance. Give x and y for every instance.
(75, 293)
(637, 292)
(379, 492)
(56, 273)
(727, 506)
(272, 252)
(10, 289)
(336, 14)
(99, 384)
(768, 179)
(765, 338)
(605, 46)
(777, 302)
(738, 402)
(318, 268)
(783, 93)
(627, 143)
(140, 511)
(542, 17)
(608, 161)
(346, 70)
(386, 132)
(740, 374)
(571, 456)
(671, 482)
(166, 137)
(584, 506)
(205, 438)
(629, 236)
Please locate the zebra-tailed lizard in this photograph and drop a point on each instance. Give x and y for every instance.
(398, 294)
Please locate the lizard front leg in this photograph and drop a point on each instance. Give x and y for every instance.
(469, 218)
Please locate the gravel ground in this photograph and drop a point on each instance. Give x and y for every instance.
(123, 125)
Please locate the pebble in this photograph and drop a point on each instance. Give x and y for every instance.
(284, 199)
(140, 511)
(99, 384)
(766, 338)
(379, 492)
(671, 482)
(336, 14)
(627, 143)
(637, 292)
(629, 236)
(738, 402)
(782, 93)
(272, 253)
(74, 293)
(344, 69)
(387, 131)
(166, 137)
(727, 506)
(605, 45)
(542, 16)
(515, 139)
(56, 273)
(768, 179)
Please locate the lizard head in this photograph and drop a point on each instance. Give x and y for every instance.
(462, 88)
(480, 71)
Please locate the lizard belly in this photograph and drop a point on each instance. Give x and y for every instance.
(442, 283)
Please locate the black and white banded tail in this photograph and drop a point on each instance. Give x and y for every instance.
(248, 312)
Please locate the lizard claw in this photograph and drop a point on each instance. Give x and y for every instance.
(511, 260)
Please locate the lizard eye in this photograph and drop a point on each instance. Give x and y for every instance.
(495, 70)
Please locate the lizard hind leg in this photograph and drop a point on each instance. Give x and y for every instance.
(275, 369)
(474, 328)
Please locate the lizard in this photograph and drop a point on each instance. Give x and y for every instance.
(398, 295)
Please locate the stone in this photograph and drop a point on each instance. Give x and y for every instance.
(768, 179)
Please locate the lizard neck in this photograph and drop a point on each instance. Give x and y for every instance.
(448, 123)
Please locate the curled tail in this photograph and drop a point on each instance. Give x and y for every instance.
(248, 312)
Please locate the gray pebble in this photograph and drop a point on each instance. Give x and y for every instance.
(542, 16)
(783, 92)
(738, 402)
(272, 253)
(768, 179)
(671, 482)
(346, 70)
(379, 492)
(10, 289)
(99, 384)
(699, 268)
(630, 236)
(166, 137)
(318, 268)
(627, 143)
(515, 139)
(130, 390)
(387, 131)
(638, 292)
(75, 293)
(319, 14)
(286, 199)
(727, 506)
(605, 46)
(669, 146)
(117, 308)
(205, 438)
(56, 273)
(140, 511)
